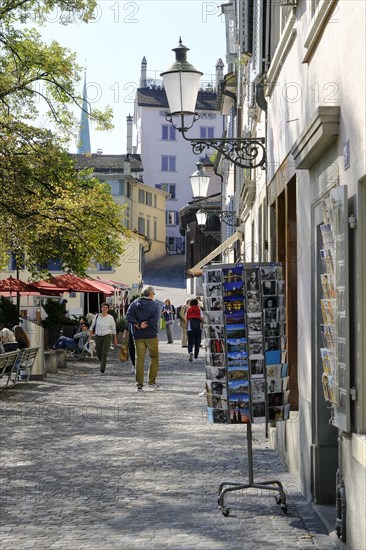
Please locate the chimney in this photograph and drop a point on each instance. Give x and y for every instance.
(129, 120)
(219, 72)
(127, 165)
(143, 82)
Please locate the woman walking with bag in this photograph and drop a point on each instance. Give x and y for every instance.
(194, 328)
(168, 314)
(104, 328)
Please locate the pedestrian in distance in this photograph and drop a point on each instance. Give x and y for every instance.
(144, 316)
(168, 314)
(194, 329)
(183, 323)
(104, 328)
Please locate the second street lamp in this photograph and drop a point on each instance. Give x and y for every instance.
(181, 83)
(200, 182)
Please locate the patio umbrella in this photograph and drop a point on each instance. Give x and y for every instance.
(74, 283)
(12, 286)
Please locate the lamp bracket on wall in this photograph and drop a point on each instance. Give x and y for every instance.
(227, 216)
(243, 152)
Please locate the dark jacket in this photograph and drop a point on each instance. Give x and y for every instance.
(144, 309)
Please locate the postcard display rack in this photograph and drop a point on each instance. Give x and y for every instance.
(334, 302)
(246, 359)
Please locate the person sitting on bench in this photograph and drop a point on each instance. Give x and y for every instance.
(76, 342)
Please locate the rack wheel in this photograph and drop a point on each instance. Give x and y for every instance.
(225, 511)
(284, 508)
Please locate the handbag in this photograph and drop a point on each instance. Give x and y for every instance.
(162, 323)
(123, 351)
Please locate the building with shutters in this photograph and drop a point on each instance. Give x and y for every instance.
(297, 70)
(167, 158)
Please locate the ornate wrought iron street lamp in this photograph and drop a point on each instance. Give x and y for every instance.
(181, 84)
(200, 182)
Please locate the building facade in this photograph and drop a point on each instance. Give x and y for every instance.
(298, 70)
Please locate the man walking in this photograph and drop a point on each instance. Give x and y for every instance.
(144, 316)
(104, 328)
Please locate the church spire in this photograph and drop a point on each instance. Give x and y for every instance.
(84, 137)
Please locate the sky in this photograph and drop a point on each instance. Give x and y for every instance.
(112, 47)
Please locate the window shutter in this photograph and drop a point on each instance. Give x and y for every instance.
(247, 26)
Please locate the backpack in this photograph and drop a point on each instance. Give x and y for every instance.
(178, 311)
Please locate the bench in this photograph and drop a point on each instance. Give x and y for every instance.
(17, 365)
(25, 363)
(7, 364)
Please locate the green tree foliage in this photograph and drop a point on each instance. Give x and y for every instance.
(48, 210)
(8, 313)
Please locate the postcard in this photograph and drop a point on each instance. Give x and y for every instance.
(256, 365)
(269, 288)
(215, 373)
(274, 385)
(258, 388)
(252, 279)
(269, 272)
(238, 372)
(237, 358)
(217, 416)
(270, 302)
(254, 324)
(213, 275)
(213, 317)
(239, 400)
(236, 330)
(240, 416)
(259, 409)
(238, 386)
(233, 288)
(234, 317)
(213, 290)
(232, 274)
(274, 371)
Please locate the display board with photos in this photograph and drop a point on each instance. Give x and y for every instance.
(334, 303)
(245, 339)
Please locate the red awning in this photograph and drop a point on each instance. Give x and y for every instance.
(12, 286)
(114, 283)
(68, 282)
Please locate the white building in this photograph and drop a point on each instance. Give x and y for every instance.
(167, 158)
(300, 79)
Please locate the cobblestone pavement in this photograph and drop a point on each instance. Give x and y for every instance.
(87, 462)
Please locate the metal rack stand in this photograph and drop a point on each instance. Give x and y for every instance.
(268, 485)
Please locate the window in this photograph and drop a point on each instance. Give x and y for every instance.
(54, 265)
(168, 132)
(141, 196)
(148, 198)
(117, 187)
(210, 116)
(12, 264)
(128, 189)
(141, 225)
(155, 201)
(104, 267)
(155, 230)
(148, 228)
(206, 132)
(172, 217)
(168, 188)
(168, 163)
